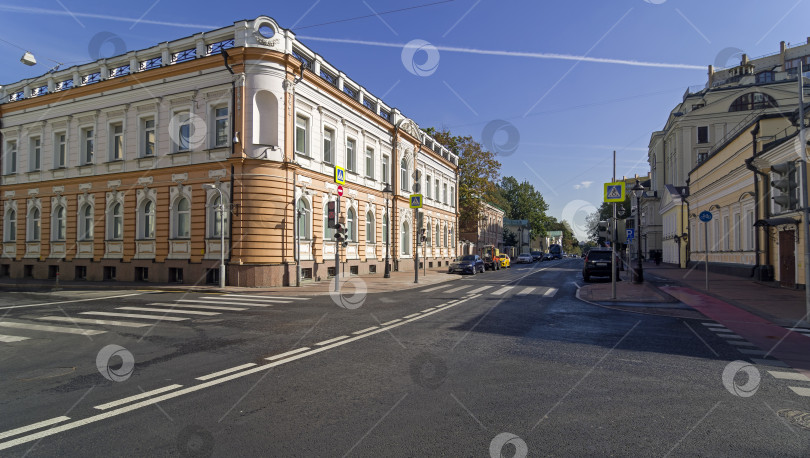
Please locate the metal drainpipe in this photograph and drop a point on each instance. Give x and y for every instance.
(750, 166)
(225, 56)
(392, 216)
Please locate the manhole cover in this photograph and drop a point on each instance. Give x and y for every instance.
(46, 372)
(799, 418)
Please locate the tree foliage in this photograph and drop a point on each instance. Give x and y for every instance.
(525, 202)
(604, 213)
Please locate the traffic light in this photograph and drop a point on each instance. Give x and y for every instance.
(340, 232)
(422, 235)
(331, 214)
(604, 230)
(784, 175)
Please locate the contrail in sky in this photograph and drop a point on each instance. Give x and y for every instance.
(32, 10)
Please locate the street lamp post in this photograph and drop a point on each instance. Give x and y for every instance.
(221, 209)
(638, 274)
(387, 192)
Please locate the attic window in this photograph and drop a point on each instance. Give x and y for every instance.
(753, 101)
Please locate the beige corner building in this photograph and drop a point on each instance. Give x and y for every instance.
(103, 167)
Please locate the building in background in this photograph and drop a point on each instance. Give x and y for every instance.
(675, 224)
(522, 233)
(103, 166)
(486, 230)
(541, 243)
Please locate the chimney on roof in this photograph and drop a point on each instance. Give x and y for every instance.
(782, 47)
(808, 40)
(782, 53)
(744, 59)
(711, 74)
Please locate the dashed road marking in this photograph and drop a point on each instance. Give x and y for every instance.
(8, 339)
(143, 395)
(327, 342)
(33, 426)
(226, 371)
(291, 352)
(411, 315)
(390, 322)
(364, 330)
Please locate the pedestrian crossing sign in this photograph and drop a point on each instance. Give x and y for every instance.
(340, 175)
(416, 200)
(614, 192)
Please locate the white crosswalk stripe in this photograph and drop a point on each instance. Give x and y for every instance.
(249, 300)
(526, 291)
(741, 343)
(136, 315)
(749, 351)
(46, 328)
(184, 312)
(502, 290)
(769, 362)
(194, 306)
(801, 391)
(70, 319)
(714, 325)
(251, 304)
(7, 339)
(478, 290)
(789, 376)
(550, 292)
(459, 288)
(259, 296)
(435, 288)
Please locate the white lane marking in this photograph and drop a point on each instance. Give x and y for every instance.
(137, 397)
(201, 386)
(194, 306)
(167, 310)
(714, 325)
(456, 289)
(551, 292)
(364, 330)
(70, 319)
(527, 290)
(244, 299)
(749, 351)
(434, 288)
(741, 343)
(291, 298)
(327, 342)
(411, 315)
(502, 290)
(196, 301)
(427, 310)
(33, 426)
(135, 315)
(801, 391)
(291, 352)
(789, 376)
(226, 371)
(478, 290)
(46, 328)
(69, 301)
(7, 339)
(390, 322)
(769, 362)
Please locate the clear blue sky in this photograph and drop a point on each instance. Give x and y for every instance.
(495, 62)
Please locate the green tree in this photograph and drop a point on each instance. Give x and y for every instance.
(604, 213)
(509, 237)
(525, 202)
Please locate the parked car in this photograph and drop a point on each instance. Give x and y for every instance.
(548, 257)
(537, 255)
(467, 264)
(505, 261)
(524, 258)
(597, 264)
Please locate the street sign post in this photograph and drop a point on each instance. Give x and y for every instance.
(340, 175)
(416, 200)
(340, 191)
(631, 233)
(615, 192)
(706, 216)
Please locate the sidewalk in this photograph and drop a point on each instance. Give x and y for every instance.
(373, 283)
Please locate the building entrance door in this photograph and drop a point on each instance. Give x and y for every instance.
(787, 259)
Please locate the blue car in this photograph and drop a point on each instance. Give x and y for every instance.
(467, 264)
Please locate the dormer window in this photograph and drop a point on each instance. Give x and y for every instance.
(753, 101)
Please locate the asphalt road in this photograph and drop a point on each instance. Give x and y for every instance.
(507, 362)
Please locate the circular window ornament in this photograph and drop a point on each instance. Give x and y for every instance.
(265, 32)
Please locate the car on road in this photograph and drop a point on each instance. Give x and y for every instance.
(467, 264)
(524, 258)
(537, 255)
(548, 257)
(597, 263)
(505, 260)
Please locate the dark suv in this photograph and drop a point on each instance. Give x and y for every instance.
(597, 263)
(467, 264)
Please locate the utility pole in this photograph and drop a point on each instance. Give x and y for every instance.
(416, 247)
(613, 240)
(805, 194)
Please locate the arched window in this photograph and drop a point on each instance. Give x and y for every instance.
(303, 219)
(438, 238)
(406, 239)
(351, 225)
(445, 236)
(182, 218)
(429, 234)
(86, 223)
(116, 222)
(34, 225)
(148, 220)
(385, 228)
(403, 175)
(59, 224)
(369, 227)
(328, 233)
(218, 217)
(11, 226)
(753, 101)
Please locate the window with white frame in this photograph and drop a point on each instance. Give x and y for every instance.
(406, 238)
(428, 235)
(436, 189)
(427, 186)
(86, 222)
(10, 232)
(444, 193)
(351, 225)
(370, 163)
(182, 131)
(182, 218)
(328, 145)
(386, 169)
(749, 223)
(147, 134)
(737, 232)
(445, 235)
(301, 134)
(452, 196)
(438, 238)
(115, 222)
(385, 228)
(369, 227)
(217, 217)
(726, 233)
(146, 219)
(303, 219)
(34, 225)
(403, 175)
(328, 232)
(60, 150)
(351, 155)
(59, 224)
(35, 159)
(116, 142)
(417, 182)
(88, 145)
(11, 157)
(221, 127)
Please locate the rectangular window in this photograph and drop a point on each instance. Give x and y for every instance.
(36, 154)
(148, 137)
(328, 146)
(749, 223)
(109, 273)
(701, 158)
(117, 137)
(444, 190)
(221, 133)
(60, 148)
(452, 196)
(386, 169)
(436, 189)
(427, 186)
(183, 131)
(351, 156)
(737, 232)
(370, 163)
(11, 157)
(301, 128)
(80, 273)
(726, 234)
(703, 134)
(88, 145)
